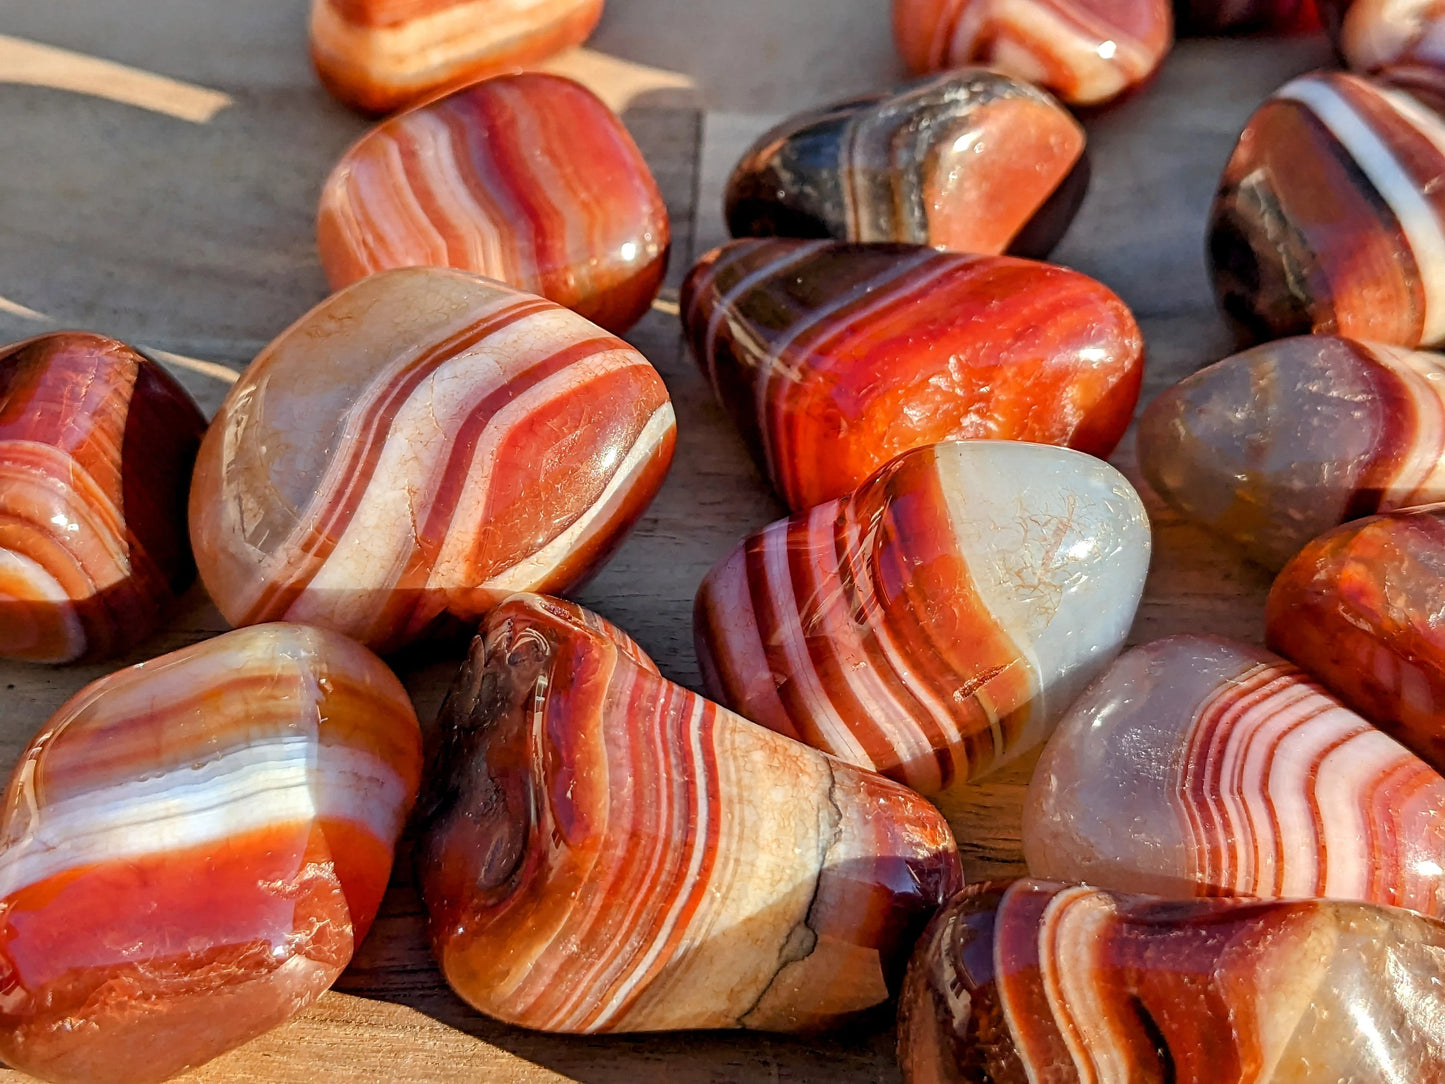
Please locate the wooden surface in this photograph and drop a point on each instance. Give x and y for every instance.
(162, 164)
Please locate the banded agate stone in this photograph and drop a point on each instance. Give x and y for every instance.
(834, 358)
(192, 848)
(1328, 216)
(969, 160)
(1201, 767)
(528, 178)
(1363, 609)
(601, 850)
(379, 55)
(1040, 981)
(418, 447)
(1375, 35)
(1278, 444)
(96, 447)
(1085, 51)
(936, 622)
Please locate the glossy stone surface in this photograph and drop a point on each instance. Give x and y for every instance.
(834, 358)
(1200, 766)
(418, 447)
(1363, 609)
(1040, 981)
(192, 848)
(529, 179)
(1085, 51)
(1206, 18)
(936, 622)
(379, 55)
(1278, 444)
(602, 850)
(1373, 35)
(969, 160)
(1328, 216)
(96, 447)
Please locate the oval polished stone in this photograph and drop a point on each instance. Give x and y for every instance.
(418, 447)
(96, 447)
(1278, 444)
(1085, 51)
(969, 160)
(193, 847)
(936, 622)
(1040, 981)
(601, 850)
(1197, 766)
(1373, 35)
(379, 55)
(528, 178)
(834, 358)
(1329, 218)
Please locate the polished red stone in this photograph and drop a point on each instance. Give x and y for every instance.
(1373, 35)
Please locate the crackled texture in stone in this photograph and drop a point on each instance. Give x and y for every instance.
(970, 160)
(529, 179)
(1329, 215)
(96, 448)
(379, 55)
(1209, 17)
(1274, 446)
(934, 623)
(1040, 981)
(833, 358)
(192, 848)
(1085, 51)
(418, 447)
(602, 850)
(1375, 35)
(1199, 766)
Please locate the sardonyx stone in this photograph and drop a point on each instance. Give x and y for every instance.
(1041, 981)
(601, 850)
(1200, 766)
(937, 621)
(379, 55)
(1276, 445)
(1085, 51)
(96, 448)
(528, 178)
(1363, 609)
(1374, 35)
(193, 847)
(418, 447)
(833, 358)
(1329, 218)
(969, 160)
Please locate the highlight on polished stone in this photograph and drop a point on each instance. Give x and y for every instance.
(1085, 51)
(418, 447)
(970, 160)
(1276, 445)
(833, 358)
(528, 178)
(1197, 766)
(379, 55)
(936, 622)
(96, 447)
(1328, 219)
(1041, 981)
(601, 850)
(193, 847)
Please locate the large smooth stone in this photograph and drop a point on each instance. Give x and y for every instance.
(1276, 445)
(529, 179)
(936, 622)
(602, 850)
(1374, 35)
(418, 447)
(379, 55)
(1040, 981)
(969, 160)
(1199, 766)
(96, 448)
(192, 848)
(834, 358)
